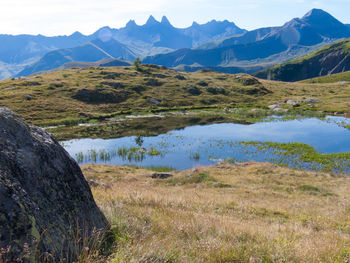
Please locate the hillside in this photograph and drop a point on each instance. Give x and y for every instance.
(267, 45)
(79, 102)
(328, 60)
(340, 78)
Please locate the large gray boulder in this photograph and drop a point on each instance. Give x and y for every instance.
(46, 206)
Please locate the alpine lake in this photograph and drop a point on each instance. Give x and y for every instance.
(319, 144)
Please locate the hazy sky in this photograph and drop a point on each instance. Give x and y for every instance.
(58, 17)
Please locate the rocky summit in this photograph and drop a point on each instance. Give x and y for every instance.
(47, 212)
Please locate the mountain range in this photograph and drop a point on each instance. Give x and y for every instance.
(26, 54)
(263, 46)
(216, 45)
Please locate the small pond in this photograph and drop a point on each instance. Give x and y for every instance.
(209, 144)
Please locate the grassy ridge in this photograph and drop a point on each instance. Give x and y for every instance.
(79, 95)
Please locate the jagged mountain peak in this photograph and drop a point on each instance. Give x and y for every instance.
(131, 23)
(165, 21)
(151, 21)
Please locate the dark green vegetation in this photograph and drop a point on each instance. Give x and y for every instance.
(304, 156)
(118, 101)
(331, 59)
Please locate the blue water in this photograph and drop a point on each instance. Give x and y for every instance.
(212, 143)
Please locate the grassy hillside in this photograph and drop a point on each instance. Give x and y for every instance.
(341, 78)
(92, 95)
(331, 59)
(226, 213)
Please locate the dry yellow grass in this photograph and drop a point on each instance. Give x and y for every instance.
(255, 212)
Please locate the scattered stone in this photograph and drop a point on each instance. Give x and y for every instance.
(44, 197)
(161, 175)
(312, 100)
(280, 110)
(28, 97)
(343, 82)
(252, 111)
(93, 183)
(274, 106)
(9, 88)
(292, 102)
(154, 101)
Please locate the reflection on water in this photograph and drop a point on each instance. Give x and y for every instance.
(208, 144)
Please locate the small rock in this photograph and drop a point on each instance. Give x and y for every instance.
(154, 101)
(312, 100)
(280, 110)
(274, 106)
(253, 111)
(93, 183)
(9, 88)
(292, 102)
(161, 175)
(28, 97)
(343, 82)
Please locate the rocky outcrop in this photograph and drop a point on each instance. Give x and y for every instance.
(47, 212)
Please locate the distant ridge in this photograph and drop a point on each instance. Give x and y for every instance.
(266, 45)
(329, 60)
(37, 53)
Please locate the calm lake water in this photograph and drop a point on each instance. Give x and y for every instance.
(208, 144)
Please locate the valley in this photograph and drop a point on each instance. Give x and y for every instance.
(159, 144)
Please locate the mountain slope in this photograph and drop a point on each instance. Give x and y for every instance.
(315, 28)
(89, 52)
(331, 59)
(16, 49)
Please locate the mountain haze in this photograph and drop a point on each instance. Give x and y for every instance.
(91, 51)
(133, 41)
(267, 45)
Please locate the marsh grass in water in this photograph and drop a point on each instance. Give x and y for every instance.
(300, 155)
(131, 154)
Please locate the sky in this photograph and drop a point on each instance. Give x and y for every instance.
(63, 17)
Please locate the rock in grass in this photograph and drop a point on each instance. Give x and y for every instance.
(161, 175)
(46, 206)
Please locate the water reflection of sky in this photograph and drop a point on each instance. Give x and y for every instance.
(214, 141)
